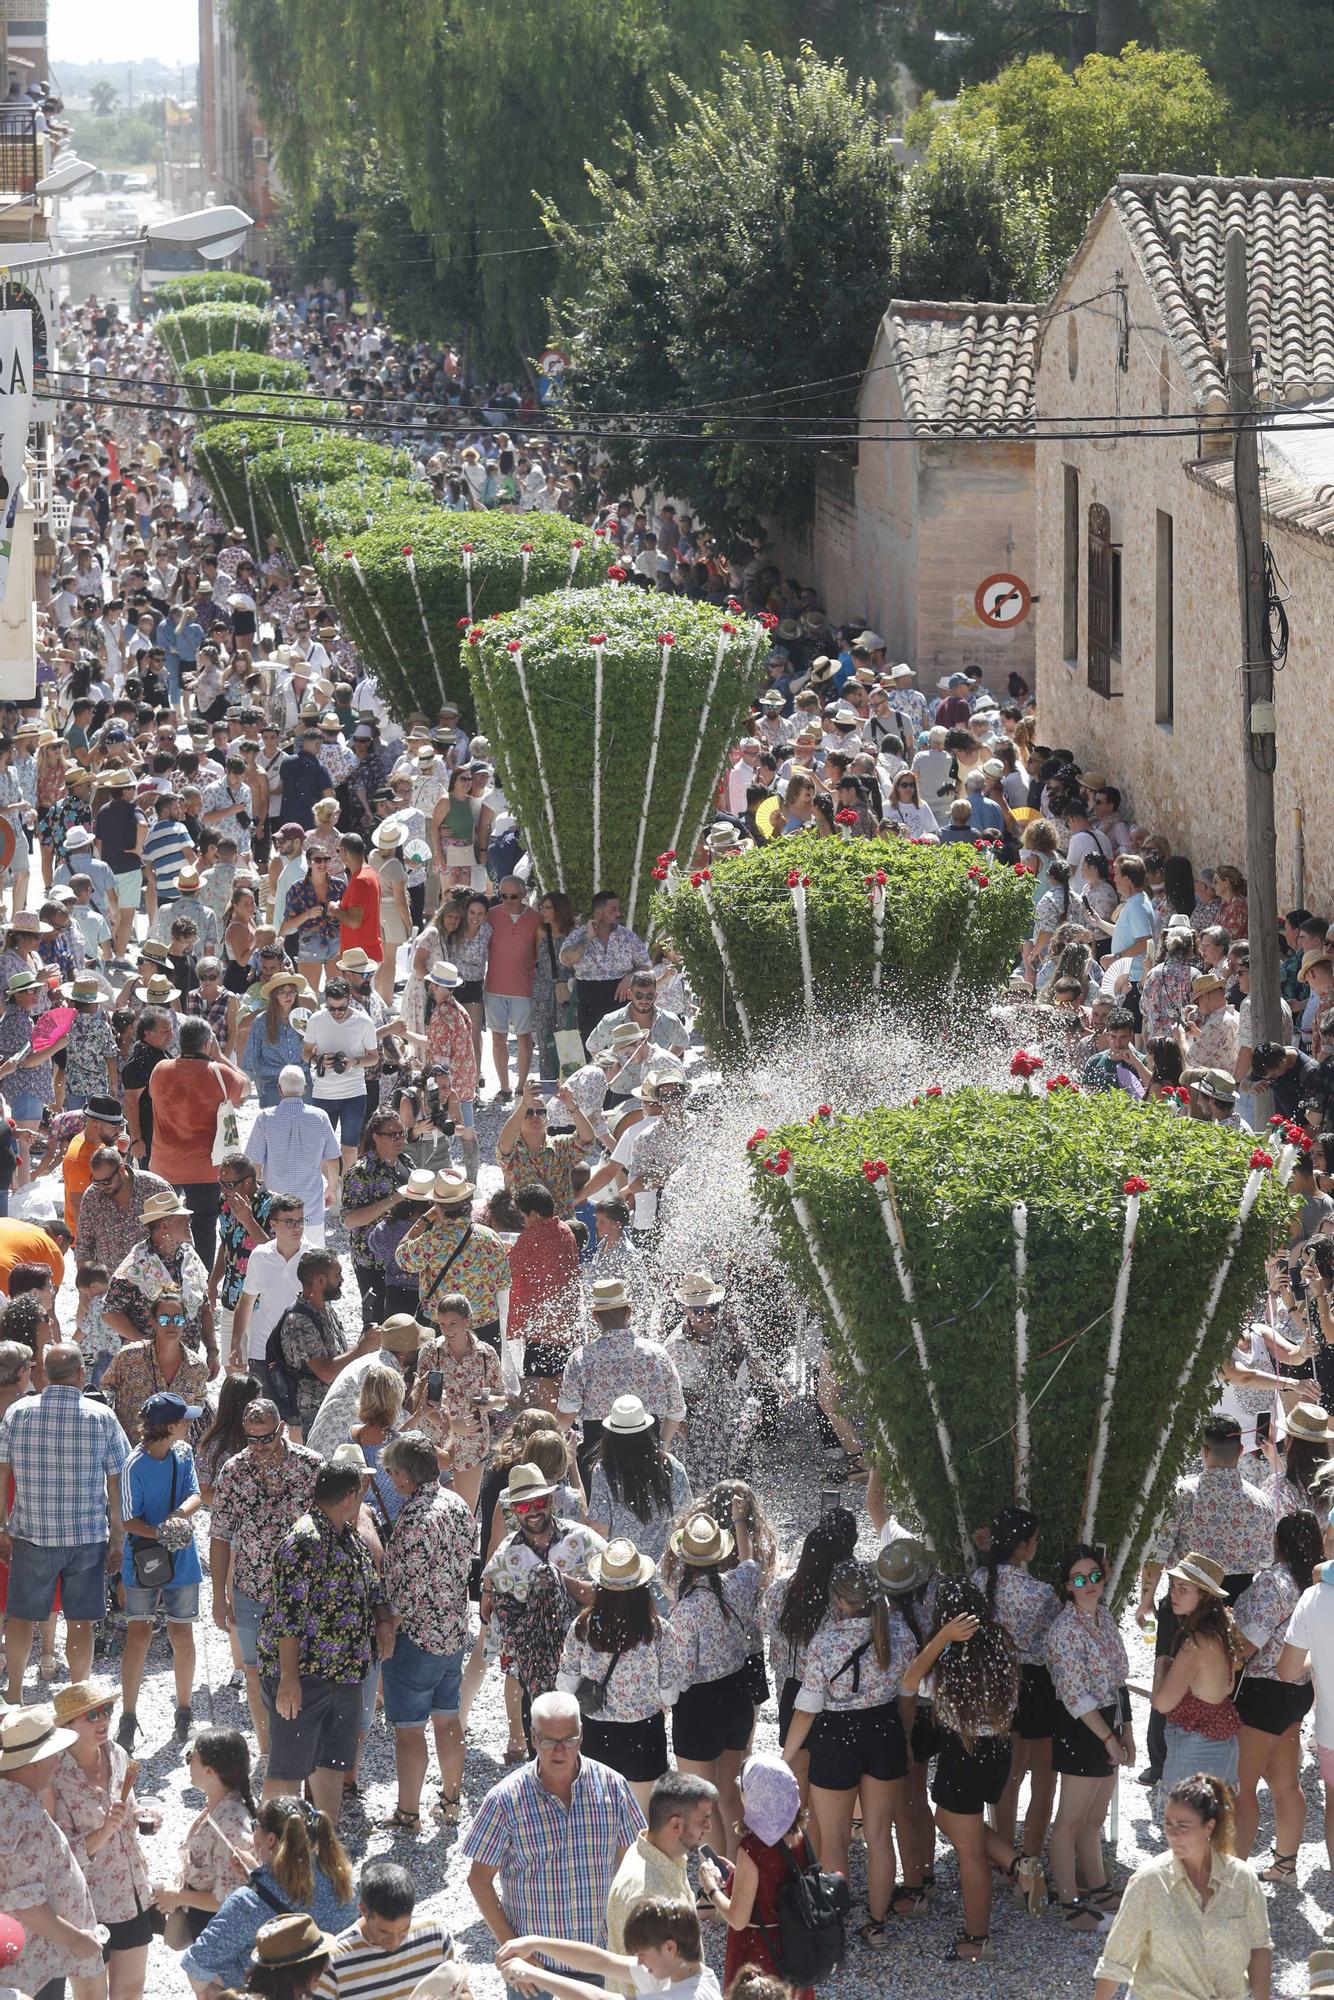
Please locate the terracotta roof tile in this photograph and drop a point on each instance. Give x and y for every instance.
(963, 367)
(1287, 497)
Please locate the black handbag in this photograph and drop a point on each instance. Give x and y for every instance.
(591, 1695)
(153, 1565)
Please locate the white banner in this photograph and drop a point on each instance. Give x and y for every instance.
(15, 417)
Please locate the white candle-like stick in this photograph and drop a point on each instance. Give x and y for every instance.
(1023, 1441)
(1119, 1298)
(664, 663)
(889, 1215)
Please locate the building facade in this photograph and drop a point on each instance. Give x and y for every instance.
(234, 143)
(1139, 646)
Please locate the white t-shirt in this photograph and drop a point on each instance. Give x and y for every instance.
(1312, 1626)
(701, 1985)
(272, 1285)
(353, 1036)
(646, 1202)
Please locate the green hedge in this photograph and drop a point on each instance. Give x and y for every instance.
(196, 288)
(957, 1165)
(215, 377)
(396, 634)
(347, 507)
(606, 787)
(953, 924)
(219, 327)
(243, 427)
(303, 460)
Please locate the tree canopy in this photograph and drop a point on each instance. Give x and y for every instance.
(969, 227)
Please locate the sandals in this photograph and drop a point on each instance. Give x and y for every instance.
(873, 1934)
(448, 1809)
(1282, 1871)
(978, 1948)
(400, 1821)
(1030, 1883)
(1080, 1916)
(910, 1899)
(1106, 1900)
(856, 1472)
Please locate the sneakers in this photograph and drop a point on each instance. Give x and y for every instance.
(184, 1721)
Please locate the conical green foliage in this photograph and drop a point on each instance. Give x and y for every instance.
(218, 326)
(602, 784)
(294, 460)
(942, 1381)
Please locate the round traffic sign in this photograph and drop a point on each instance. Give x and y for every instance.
(1002, 600)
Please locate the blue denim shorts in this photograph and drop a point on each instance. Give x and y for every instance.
(26, 1109)
(347, 1115)
(247, 1612)
(419, 1686)
(180, 1601)
(81, 1572)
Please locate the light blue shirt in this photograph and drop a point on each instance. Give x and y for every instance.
(1133, 928)
(289, 1143)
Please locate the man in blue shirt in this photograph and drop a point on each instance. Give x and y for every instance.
(985, 815)
(180, 636)
(304, 779)
(296, 1150)
(1132, 932)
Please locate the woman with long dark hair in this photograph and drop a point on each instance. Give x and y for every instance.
(617, 1652)
(711, 1632)
(973, 1672)
(215, 1853)
(637, 1489)
(910, 1579)
(1195, 1694)
(793, 1609)
(1093, 1735)
(1271, 1710)
(225, 1436)
(1027, 1609)
(1304, 1459)
(1176, 898)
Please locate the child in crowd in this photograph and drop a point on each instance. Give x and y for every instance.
(96, 1340)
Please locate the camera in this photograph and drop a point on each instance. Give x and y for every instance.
(437, 1107)
(435, 1385)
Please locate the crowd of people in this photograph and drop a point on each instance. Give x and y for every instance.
(269, 952)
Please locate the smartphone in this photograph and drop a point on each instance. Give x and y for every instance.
(435, 1385)
(546, 1086)
(724, 1868)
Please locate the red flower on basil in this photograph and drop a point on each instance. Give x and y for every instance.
(1135, 1185)
(1259, 1159)
(1025, 1063)
(760, 1133)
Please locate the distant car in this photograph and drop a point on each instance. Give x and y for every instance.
(136, 184)
(117, 210)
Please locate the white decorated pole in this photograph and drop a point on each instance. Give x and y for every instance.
(1286, 1161)
(1023, 1440)
(426, 623)
(796, 888)
(574, 560)
(703, 881)
(719, 655)
(466, 554)
(1108, 1397)
(878, 929)
(1249, 1196)
(599, 644)
(666, 640)
(525, 557)
(697, 831)
(513, 646)
(889, 1215)
(369, 596)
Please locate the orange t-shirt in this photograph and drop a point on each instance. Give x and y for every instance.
(186, 1096)
(359, 914)
(78, 1170)
(25, 1243)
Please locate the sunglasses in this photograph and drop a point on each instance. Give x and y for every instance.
(511, 899)
(170, 1319)
(541, 1506)
(99, 1714)
(262, 1437)
(1082, 1577)
(104, 1180)
(238, 1182)
(534, 1112)
(391, 1132)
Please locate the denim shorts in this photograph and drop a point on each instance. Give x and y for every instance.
(508, 1013)
(180, 1601)
(247, 1612)
(347, 1115)
(315, 950)
(81, 1572)
(25, 1108)
(325, 1734)
(419, 1686)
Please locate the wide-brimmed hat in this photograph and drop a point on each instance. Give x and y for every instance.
(698, 1288)
(1206, 982)
(442, 973)
(105, 1107)
(389, 834)
(627, 1417)
(74, 774)
(1319, 1975)
(351, 1454)
(80, 1696)
(28, 924)
(527, 1482)
(452, 1190)
(402, 1334)
(620, 1566)
(156, 952)
(162, 1207)
(1318, 955)
(355, 960)
(1217, 1086)
(22, 982)
(188, 877)
(624, 1036)
(701, 1543)
(77, 838)
(1307, 1420)
(84, 988)
(29, 1733)
(157, 991)
(293, 1940)
(609, 1295)
(115, 781)
(1203, 1572)
(280, 979)
(655, 1080)
(419, 1185)
(902, 672)
(904, 1564)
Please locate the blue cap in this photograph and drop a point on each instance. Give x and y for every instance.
(169, 1408)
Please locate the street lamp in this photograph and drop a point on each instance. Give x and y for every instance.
(68, 174)
(213, 232)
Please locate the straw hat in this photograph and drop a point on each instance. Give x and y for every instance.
(698, 1288)
(162, 1207)
(271, 986)
(419, 1185)
(355, 960)
(29, 1733)
(85, 988)
(81, 1696)
(609, 1295)
(188, 877)
(1319, 1973)
(903, 1564)
(388, 835)
(620, 1566)
(527, 1482)
(402, 1334)
(157, 991)
(1307, 1420)
(625, 1035)
(627, 1417)
(452, 1190)
(115, 781)
(657, 1080)
(702, 1544)
(351, 1454)
(442, 973)
(1203, 1572)
(293, 1940)
(28, 924)
(22, 982)
(156, 952)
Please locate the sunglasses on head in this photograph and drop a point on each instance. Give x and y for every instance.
(1080, 1577)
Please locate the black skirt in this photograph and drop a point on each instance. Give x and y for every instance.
(1272, 1706)
(968, 1781)
(1075, 1751)
(1038, 1707)
(638, 1750)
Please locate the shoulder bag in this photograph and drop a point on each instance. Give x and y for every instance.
(153, 1564)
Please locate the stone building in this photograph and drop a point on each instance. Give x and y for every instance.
(1139, 648)
(911, 534)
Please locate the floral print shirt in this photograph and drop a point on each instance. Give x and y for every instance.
(1025, 1606)
(325, 1593)
(1165, 995)
(37, 1865)
(551, 1164)
(367, 1181)
(466, 1375)
(639, 1686)
(515, 1563)
(90, 1047)
(318, 930)
(1086, 1659)
(469, 954)
(1218, 1515)
(118, 1872)
(623, 1524)
(449, 1041)
(133, 1375)
(427, 1563)
(309, 1332)
(621, 1363)
(1262, 1613)
(253, 1510)
(788, 1658)
(706, 1644)
(237, 1243)
(835, 1680)
(481, 1273)
(16, 1040)
(141, 1277)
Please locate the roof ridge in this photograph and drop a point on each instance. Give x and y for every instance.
(1233, 183)
(956, 308)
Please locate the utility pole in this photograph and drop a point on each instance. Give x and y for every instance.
(1258, 726)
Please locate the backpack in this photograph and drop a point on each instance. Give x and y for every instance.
(283, 1378)
(812, 1912)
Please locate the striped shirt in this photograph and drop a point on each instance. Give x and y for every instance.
(165, 846)
(555, 1864)
(361, 1971)
(62, 1449)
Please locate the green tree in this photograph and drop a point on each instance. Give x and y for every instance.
(947, 44)
(103, 99)
(969, 228)
(1068, 134)
(747, 254)
(1274, 58)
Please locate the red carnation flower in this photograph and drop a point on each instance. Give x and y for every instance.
(666, 638)
(824, 1110)
(668, 854)
(1025, 1062)
(467, 548)
(527, 548)
(769, 620)
(616, 573)
(464, 624)
(874, 1170)
(597, 638)
(406, 549)
(347, 555)
(1136, 1185)
(701, 875)
(728, 626)
(935, 1090)
(761, 1132)
(982, 881)
(845, 818)
(576, 545)
(512, 645)
(793, 879)
(1019, 868)
(317, 547)
(660, 874)
(599, 535)
(1259, 1158)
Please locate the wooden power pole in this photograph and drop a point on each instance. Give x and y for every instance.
(1258, 724)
